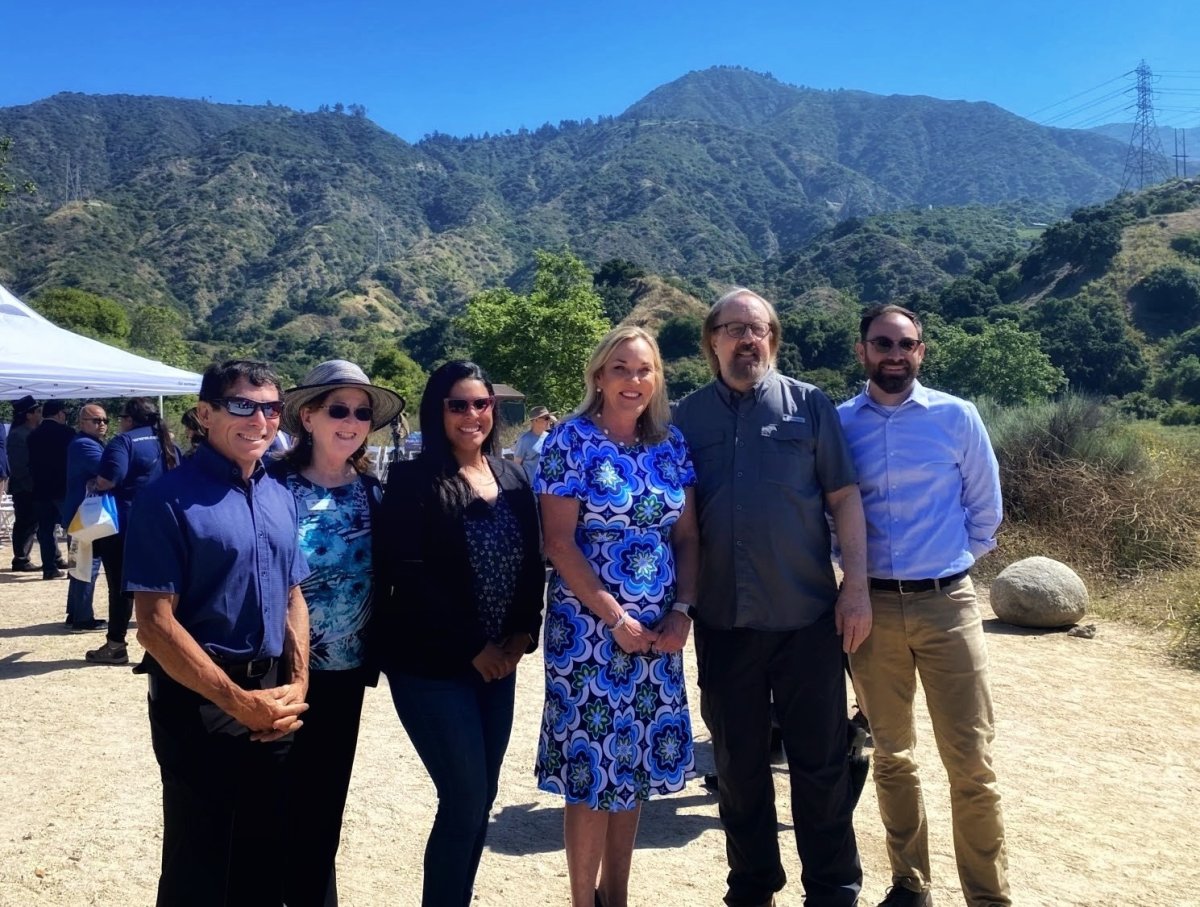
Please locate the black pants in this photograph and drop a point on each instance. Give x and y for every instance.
(49, 515)
(740, 671)
(224, 837)
(111, 551)
(24, 527)
(318, 770)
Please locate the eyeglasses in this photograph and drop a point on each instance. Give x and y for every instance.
(737, 329)
(341, 411)
(885, 344)
(96, 421)
(479, 404)
(240, 406)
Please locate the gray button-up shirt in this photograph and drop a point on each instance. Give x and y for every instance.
(764, 462)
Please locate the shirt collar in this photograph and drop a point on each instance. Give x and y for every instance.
(218, 466)
(726, 393)
(919, 397)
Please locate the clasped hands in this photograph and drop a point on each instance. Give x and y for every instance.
(496, 661)
(668, 635)
(272, 713)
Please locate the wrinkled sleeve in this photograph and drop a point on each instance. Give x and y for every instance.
(981, 496)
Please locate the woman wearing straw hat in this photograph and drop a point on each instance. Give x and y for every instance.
(528, 449)
(330, 416)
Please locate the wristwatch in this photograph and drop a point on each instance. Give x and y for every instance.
(686, 608)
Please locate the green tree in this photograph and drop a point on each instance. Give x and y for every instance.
(679, 337)
(1091, 343)
(6, 184)
(85, 313)
(157, 331)
(435, 343)
(685, 375)
(539, 343)
(395, 369)
(1003, 363)
(1167, 300)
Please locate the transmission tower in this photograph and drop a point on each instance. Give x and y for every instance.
(1145, 162)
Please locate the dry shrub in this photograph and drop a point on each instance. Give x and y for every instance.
(1082, 486)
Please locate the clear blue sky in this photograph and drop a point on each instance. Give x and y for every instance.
(465, 66)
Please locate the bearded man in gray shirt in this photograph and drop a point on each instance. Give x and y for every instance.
(771, 622)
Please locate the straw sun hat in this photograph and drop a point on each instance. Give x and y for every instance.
(386, 404)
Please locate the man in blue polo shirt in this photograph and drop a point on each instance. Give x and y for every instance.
(213, 562)
(931, 493)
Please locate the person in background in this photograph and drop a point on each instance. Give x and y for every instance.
(193, 430)
(931, 491)
(27, 414)
(131, 461)
(83, 462)
(459, 553)
(620, 525)
(330, 416)
(528, 449)
(771, 622)
(48, 466)
(213, 560)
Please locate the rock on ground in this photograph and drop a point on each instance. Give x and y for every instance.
(1039, 592)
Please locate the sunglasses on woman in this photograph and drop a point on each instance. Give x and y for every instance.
(240, 406)
(341, 411)
(459, 406)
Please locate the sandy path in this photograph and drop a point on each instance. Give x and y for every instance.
(1097, 755)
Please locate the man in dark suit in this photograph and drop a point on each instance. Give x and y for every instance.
(48, 468)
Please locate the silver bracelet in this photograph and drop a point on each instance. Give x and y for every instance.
(620, 621)
(684, 608)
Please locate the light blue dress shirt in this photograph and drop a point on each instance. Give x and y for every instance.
(930, 483)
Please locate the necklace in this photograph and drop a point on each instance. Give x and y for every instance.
(482, 477)
(637, 438)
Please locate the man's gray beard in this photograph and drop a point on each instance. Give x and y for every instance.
(749, 373)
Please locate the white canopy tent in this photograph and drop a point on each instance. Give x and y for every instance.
(39, 358)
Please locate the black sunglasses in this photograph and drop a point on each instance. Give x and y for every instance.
(97, 421)
(885, 344)
(479, 404)
(240, 406)
(341, 411)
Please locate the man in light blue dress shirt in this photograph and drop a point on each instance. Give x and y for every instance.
(930, 487)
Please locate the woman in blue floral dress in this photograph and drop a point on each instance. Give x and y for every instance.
(620, 530)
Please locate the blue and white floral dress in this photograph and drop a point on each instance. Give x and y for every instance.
(615, 726)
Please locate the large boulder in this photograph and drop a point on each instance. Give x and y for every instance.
(1039, 592)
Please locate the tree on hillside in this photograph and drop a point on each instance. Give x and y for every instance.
(435, 343)
(1003, 363)
(158, 331)
(84, 313)
(539, 343)
(6, 186)
(825, 339)
(679, 337)
(1091, 343)
(395, 369)
(1167, 300)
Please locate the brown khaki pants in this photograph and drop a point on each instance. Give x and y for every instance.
(938, 635)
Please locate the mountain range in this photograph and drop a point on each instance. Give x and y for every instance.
(259, 223)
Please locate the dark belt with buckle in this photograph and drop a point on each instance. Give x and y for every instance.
(247, 670)
(909, 586)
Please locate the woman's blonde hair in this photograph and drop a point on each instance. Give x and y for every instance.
(655, 419)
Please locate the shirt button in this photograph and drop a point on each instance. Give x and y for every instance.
(739, 475)
(739, 506)
(739, 543)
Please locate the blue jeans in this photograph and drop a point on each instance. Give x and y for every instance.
(79, 597)
(459, 727)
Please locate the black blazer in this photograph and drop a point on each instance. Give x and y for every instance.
(428, 617)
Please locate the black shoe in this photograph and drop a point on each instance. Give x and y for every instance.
(61, 564)
(899, 896)
(87, 626)
(53, 574)
(111, 653)
(24, 565)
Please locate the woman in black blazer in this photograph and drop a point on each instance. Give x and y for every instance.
(459, 554)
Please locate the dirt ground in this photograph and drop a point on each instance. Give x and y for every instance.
(1098, 754)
